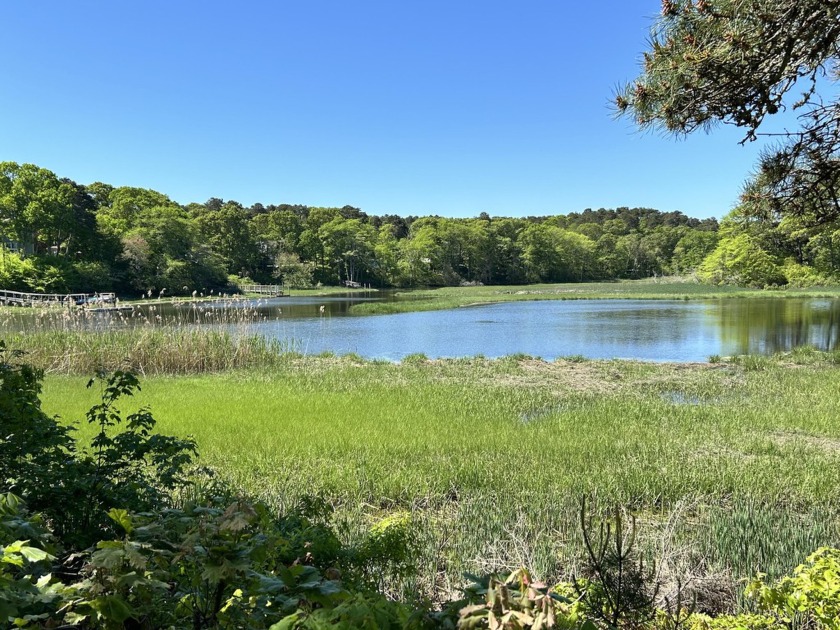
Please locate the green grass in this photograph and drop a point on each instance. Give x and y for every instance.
(730, 467)
(661, 289)
(322, 291)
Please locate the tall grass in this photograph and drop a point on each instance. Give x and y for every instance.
(179, 337)
(150, 351)
(491, 457)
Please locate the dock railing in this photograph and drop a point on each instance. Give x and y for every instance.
(20, 298)
(262, 289)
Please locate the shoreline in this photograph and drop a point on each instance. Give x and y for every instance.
(442, 298)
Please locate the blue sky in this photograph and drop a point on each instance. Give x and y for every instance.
(406, 107)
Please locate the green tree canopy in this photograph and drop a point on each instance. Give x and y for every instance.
(36, 207)
(124, 208)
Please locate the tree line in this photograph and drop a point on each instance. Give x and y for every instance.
(60, 236)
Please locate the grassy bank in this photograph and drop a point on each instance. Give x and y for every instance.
(731, 468)
(327, 291)
(664, 289)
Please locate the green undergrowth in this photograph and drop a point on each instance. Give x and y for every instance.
(732, 468)
(665, 289)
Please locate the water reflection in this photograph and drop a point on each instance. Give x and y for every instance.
(772, 325)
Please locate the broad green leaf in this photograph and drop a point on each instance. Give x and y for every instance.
(33, 554)
(112, 608)
(287, 623)
(109, 557)
(44, 581)
(122, 518)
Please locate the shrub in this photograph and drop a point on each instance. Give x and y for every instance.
(16, 274)
(127, 464)
(810, 596)
(28, 593)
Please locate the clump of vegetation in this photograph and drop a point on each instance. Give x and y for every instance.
(121, 536)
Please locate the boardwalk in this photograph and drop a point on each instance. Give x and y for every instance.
(18, 298)
(262, 289)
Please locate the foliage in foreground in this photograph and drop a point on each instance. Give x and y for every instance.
(175, 555)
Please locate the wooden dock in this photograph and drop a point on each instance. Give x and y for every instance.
(274, 290)
(19, 298)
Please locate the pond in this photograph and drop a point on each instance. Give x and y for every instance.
(629, 329)
(657, 330)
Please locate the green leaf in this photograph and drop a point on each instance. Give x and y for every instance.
(287, 623)
(109, 557)
(19, 550)
(12, 558)
(112, 608)
(215, 572)
(43, 581)
(329, 587)
(33, 554)
(122, 518)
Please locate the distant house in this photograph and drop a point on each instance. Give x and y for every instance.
(352, 284)
(18, 247)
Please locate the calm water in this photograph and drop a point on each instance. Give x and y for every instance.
(634, 329)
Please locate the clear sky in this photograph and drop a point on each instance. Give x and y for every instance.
(449, 107)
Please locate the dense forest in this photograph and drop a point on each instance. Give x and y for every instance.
(60, 236)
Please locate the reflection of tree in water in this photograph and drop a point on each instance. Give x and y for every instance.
(777, 325)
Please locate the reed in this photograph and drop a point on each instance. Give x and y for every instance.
(175, 337)
(151, 351)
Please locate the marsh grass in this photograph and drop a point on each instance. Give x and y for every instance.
(754, 453)
(660, 289)
(151, 351)
(185, 338)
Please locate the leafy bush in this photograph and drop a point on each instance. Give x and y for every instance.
(127, 465)
(386, 554)
(202, 565)
(28, 594)
(34, 448)
(16, 273)
(810, 595)
(740, 260)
